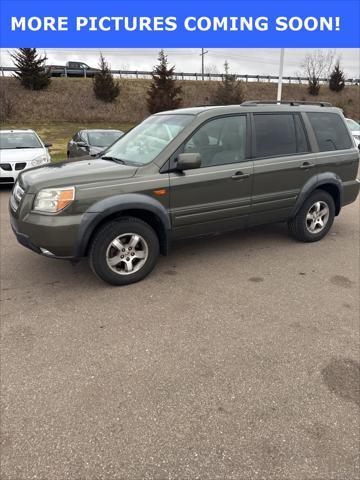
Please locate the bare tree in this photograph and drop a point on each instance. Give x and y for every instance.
(211, 69)
(316, 65)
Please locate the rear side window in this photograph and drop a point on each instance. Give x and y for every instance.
(279, 134)
(330, 131)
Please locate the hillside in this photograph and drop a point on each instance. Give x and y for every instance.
(72, 100)
(69, 105)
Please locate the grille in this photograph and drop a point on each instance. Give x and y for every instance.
(6, 180)
(5, 166)
(20, 166)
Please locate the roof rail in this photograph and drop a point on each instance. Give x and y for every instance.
(293, 103)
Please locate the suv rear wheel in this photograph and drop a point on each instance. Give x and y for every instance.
(124, 251)
(315, 217)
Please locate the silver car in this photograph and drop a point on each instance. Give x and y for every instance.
(91, 142)
(19, 150)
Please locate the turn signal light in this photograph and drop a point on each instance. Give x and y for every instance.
(160, 192)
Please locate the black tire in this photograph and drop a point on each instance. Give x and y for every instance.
(110, 231)
(298, 224)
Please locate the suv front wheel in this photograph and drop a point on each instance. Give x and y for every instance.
(124, 251)
(315, 217)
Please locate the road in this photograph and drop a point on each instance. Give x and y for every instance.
(238, 358)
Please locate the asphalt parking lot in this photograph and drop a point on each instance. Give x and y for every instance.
(238, 358)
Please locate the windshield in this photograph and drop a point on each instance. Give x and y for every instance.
(10, 140)
(144, 142)
(103, 139)
(354, 126)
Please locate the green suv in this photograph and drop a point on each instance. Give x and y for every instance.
(187, 173)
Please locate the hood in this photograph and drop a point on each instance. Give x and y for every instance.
(96, 150)
(74, 173)
(20, 154)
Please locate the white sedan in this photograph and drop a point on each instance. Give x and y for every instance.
(354, 129)
(20, 149)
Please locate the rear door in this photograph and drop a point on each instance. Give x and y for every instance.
(216, 196)
(283, 163)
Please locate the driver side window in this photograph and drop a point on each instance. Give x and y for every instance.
(220, 141)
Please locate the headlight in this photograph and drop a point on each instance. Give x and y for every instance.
(52, 200)
(39, 160)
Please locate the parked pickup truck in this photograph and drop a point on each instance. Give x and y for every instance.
(72, 69)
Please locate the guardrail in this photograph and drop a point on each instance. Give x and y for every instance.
(183, 75)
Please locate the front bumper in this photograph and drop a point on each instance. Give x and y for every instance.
(50, 235)
(22, 238)
(25, 241)
(8, 177)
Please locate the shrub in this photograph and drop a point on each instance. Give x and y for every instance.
(6, 106)
(229, 91)
(337, 79)
(314, 86)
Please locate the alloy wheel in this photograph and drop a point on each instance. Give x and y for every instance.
(127, 253)
(317, 217)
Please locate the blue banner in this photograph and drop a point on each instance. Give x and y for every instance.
(164, 24)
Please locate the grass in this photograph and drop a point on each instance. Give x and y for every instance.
(60, 133)
(72, 100)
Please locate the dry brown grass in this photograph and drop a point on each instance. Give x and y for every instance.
(72, 100)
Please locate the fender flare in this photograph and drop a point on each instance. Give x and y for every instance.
(315, 182)
(117, 204)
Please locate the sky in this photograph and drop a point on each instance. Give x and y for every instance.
(241, 61)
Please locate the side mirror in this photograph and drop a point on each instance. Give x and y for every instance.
(47, 145)
(188, 161)
(82, 144)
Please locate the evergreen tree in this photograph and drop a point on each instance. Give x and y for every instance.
(32, 72)
(105, 87)
(337, 79)
(229, 91)
(163, 93)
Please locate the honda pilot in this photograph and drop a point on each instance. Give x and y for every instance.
(187, 173)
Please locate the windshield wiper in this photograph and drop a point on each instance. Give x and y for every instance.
(113, 159)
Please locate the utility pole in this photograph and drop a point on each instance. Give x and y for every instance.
(281, 69)
(202, 54)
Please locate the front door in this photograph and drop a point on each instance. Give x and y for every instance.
(217, 196)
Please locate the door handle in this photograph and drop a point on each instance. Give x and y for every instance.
(240, 176)
(307, 165)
